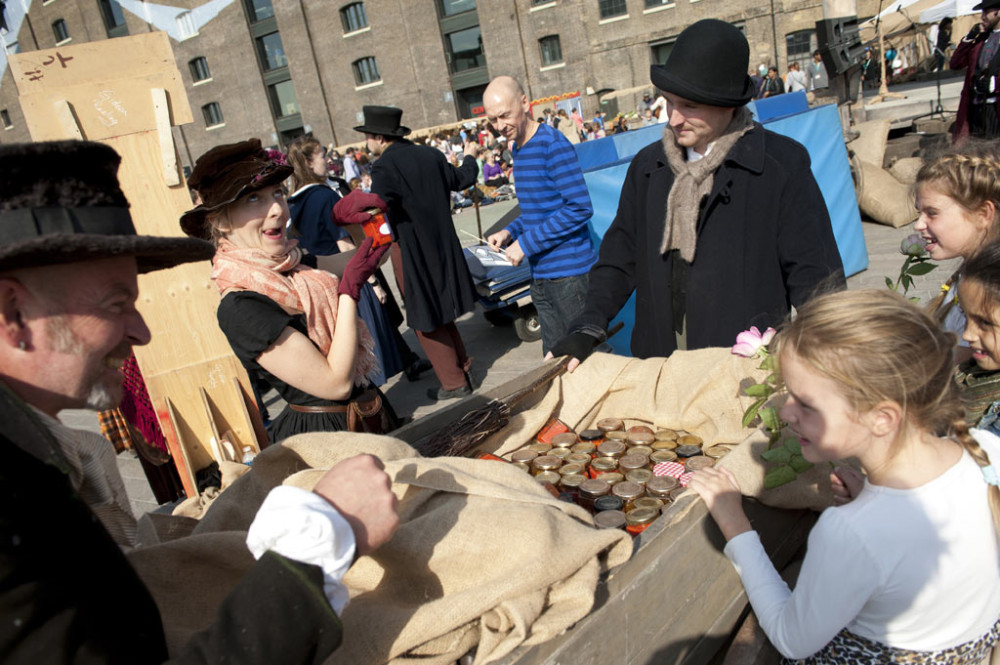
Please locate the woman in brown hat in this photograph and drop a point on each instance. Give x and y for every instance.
(282, 316)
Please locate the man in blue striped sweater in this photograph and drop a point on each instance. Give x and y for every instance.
(552, 230)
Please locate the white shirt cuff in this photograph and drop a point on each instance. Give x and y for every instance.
(303, 526)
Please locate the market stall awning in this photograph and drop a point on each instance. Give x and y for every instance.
(898, 19)
(951, 8)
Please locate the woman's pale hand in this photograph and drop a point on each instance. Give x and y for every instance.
(721, 493)
(379, 293)
(846, 483)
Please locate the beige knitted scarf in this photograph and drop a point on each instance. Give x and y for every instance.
(692, 182)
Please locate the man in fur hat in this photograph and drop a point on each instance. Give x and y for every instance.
(69, 260)
(720, 225)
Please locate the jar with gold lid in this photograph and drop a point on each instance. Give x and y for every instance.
(661, 456)
(640, 429)
(523, 456)
(585, 447)
(613, 449)
(613, 477)
(689, 440)
(648, 502)
(610, 519)
(548, 477)
(570, 484)
(716, 452)
(610, 424)
(660, 487)
(565, 440)
(698, 462)
(561, 453)
(641, 476)
(665, 435)
(540, 448)
(645, 451)
(640, 438)
(638, 520)
(617, 435)
(603, 465)
(578, 458)
(590, 489)
(572, 470)
(632, 462)
(545, 463)
(628, 492)
(663, 445)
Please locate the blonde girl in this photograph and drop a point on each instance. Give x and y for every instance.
(907, 570)
(958, 197)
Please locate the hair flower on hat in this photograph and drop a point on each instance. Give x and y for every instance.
(277, 156)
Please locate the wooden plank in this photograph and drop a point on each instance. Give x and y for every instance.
(178, 450)
(107, 83)
(168, 152)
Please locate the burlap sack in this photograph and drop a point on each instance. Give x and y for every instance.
(872, 139)
(905, 170)
(483, 556)
(884, 199)
(698, 391)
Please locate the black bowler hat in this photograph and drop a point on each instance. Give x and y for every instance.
(226, 173)
(61, 203)
(987, 4)
(382, 120)
(708, 65)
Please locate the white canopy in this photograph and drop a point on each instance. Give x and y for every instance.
(951, 8)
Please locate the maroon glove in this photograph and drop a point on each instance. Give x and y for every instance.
(360, 268)
(351, 209)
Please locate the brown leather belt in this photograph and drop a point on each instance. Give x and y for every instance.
(333, 408)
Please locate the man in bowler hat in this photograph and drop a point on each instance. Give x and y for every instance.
(414, 183)
(720, 225)
(69, 260)
(979, 54)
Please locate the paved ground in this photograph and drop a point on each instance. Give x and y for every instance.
(500, 356)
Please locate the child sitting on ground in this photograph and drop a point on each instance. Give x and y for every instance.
(907, 570)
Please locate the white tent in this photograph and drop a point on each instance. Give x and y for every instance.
(951, 8)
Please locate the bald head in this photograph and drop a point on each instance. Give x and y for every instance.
(508, 110)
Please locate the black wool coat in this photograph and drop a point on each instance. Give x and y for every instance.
(69, 595)
(765, 243)
(416, 183)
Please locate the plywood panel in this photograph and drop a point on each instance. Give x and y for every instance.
(72, 91)
(107, 85)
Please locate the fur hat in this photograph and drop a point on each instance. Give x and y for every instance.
(707, 65)
(383, 120)
(61, 203)
(226, 173)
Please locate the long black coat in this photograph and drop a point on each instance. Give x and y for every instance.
(68, 595)
(416, 183)
(764, 244)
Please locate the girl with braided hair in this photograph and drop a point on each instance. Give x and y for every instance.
(907, 568)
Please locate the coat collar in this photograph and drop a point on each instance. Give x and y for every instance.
(748, 153)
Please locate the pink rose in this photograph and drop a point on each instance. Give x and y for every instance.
(750, 342)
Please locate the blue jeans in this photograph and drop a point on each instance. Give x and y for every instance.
(558, 302)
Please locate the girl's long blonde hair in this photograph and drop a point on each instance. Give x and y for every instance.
(877, 346)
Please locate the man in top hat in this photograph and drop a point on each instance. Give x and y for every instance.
(720, 225)
(69, 260)
(414, 183)
(979, 53)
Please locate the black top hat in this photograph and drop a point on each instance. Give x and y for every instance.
(708, 65)
(61, 203)
(383, 120)
(224, 174)
(987, 4)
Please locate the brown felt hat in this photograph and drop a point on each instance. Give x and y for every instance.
(226, 173)
(61, 203)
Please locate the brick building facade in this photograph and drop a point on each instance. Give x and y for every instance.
(279, 68)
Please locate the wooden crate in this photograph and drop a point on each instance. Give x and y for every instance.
(678, 600)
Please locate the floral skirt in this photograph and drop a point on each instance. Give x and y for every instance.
(849, 649)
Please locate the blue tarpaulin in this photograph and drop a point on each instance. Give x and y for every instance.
(605, 162)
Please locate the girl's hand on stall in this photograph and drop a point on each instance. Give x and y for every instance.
(846, 483)
(721, 493)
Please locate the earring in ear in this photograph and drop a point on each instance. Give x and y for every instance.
(22, 345)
